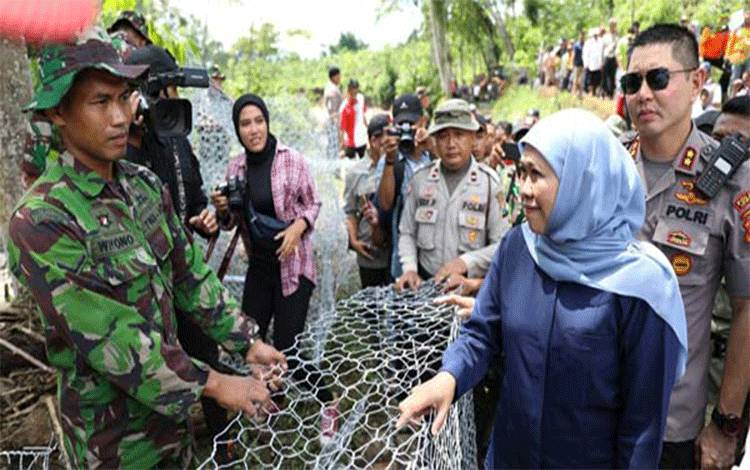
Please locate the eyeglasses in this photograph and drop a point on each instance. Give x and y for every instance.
(657, 79)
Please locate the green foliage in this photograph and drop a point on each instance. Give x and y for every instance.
(382, 74)
(347, 42)
(167, 27)
(516, 101)
(259, 43)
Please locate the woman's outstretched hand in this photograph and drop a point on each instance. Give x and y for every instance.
(435, 394)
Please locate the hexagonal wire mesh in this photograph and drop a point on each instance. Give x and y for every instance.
(369, 350)
(26, 459)
(378, 344)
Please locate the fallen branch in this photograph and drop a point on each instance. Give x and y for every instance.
(24, 411)
(16, 350)
(58, 430)
(29, 332)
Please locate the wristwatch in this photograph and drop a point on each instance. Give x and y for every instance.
(730, 424)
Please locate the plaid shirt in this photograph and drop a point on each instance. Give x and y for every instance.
(294, 197)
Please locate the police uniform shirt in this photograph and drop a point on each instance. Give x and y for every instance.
(704, 239)
(362, 183)
(437, 226)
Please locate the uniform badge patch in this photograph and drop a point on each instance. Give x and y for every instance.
(681, 263)
(690, 196)
(742, 201)
(473, 236)
(679, 238)
(688, 159)
(425, 215)
(472, 220)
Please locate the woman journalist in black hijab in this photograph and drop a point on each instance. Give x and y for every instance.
(281, 207)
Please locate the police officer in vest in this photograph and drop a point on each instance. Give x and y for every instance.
(452, 221)
(706, 236)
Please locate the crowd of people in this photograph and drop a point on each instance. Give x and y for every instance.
(592, 63)
(585, 261)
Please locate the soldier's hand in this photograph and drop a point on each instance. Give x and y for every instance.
(409, 279)
(205, 222)
(435, 394)
(220, 202)
(362, 248)
(454, 266)
(464, 304)
(236, 393)
(271, 376)
(714, 449)
(265, 354)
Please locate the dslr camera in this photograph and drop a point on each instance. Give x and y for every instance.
(234, 190)
(405, 132)
(167, 117)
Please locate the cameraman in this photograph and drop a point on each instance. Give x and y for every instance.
(173, 161)
(405, 153)
(171, 158)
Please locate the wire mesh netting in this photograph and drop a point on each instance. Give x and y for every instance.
(27, 458)
(368, 353)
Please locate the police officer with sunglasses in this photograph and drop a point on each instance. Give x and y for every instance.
(703, 237)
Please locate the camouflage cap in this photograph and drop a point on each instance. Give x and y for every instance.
(453, 113)
(133, 19)
(60, 63)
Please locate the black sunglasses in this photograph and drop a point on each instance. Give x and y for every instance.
(657, 79)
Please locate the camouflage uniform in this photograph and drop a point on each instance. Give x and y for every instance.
(511, 203)
(135, 20)
(42, 144)
(108, 263)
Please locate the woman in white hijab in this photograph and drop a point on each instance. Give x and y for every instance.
(589, 321)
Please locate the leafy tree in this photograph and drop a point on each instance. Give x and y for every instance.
(167, 27)
(260, 43)
(347, 42)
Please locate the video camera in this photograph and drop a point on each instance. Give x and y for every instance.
(405, 132)
(167, 117)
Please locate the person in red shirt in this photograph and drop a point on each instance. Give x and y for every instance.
(353, 123)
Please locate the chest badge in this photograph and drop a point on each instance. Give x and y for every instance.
(742, 201)
(473, 236)
(679, 238)
(681, 263)
(690, 196)
(688, 159)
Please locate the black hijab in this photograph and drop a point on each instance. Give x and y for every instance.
(270, 148)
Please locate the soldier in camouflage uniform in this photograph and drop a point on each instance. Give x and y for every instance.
(132, 28)
(99, 245)
(42, 144)
(43, 141)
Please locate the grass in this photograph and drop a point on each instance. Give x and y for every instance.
(517, 100)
